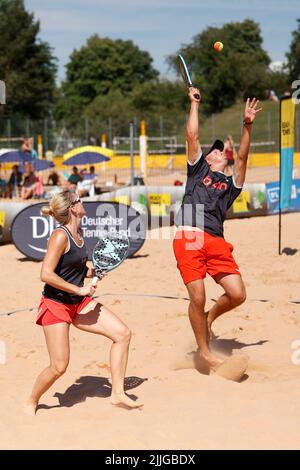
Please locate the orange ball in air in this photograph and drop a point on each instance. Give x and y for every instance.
(218, 46)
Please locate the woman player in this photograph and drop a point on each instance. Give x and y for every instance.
(65, 300)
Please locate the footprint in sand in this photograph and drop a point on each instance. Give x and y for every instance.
(233, 368)
(25, 354)
(105, 366)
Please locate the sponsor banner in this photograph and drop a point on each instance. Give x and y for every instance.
(159, 203)
(31, 231)
(2, 222)
(8, 211)
(151, 204)
(251, 201)
(287, 138)
(272, 191)
(164, 201)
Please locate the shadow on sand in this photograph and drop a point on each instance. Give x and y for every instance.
(90, 387)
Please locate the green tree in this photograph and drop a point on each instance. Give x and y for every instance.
(115, 106)
(278, 80)
(159, 97)
(293, 55)
(236, 72)
(103, 65)
(26, 64)
(161, 102)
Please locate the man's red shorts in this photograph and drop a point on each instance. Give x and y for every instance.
(51, 312)
(198, 253)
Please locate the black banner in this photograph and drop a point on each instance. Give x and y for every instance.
(31, 231)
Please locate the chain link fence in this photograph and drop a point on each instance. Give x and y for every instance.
(166, 140)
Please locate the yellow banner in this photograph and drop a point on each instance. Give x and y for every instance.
(123, 200)
(287, 123)
(2, 218)
(163, 198)
(241, 204)
(159, 203)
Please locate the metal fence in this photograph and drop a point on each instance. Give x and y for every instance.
(166, 136)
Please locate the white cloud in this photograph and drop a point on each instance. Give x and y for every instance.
(276, 65)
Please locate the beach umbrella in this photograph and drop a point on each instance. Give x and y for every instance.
(15, 156)
(39, 165)
(87, 155)
(3, 151)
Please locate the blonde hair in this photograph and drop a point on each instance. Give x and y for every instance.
(59, 206)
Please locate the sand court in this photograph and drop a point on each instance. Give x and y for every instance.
(184, 409)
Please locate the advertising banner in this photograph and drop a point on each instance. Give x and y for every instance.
(287, 138)
(31, 231)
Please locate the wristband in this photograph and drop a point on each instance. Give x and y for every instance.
(247, 123)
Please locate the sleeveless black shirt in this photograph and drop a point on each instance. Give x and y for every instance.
(72, 268)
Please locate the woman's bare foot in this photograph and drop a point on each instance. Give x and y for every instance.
(30, 408)
(121, 399)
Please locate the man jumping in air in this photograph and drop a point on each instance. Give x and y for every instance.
(199, 245)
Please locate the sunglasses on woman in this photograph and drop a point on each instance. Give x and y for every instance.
(75, 202)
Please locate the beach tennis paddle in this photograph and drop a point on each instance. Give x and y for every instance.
(108, 253)
(186, 76)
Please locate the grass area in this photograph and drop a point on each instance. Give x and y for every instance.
(265, 128)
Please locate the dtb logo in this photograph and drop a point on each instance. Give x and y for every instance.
(42, 227)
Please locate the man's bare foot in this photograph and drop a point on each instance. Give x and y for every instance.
(30, 408)
(213, 361)
(121, 399)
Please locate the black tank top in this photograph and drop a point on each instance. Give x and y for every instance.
(72, 268)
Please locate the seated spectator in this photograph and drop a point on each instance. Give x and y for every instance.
(53, 179)
(39, 187)
(75, 177)
(28, 187)
(91, 175)
(3, 185)
(86, 187)
(14, 182)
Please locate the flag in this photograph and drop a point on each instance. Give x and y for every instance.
(287, 137)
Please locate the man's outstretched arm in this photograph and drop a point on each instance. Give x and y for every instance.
(192, 127)
(240, 165)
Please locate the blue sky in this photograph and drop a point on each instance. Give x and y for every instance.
(158, 26)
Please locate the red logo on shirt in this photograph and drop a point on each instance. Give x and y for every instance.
(207, 181)
(220, 186)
